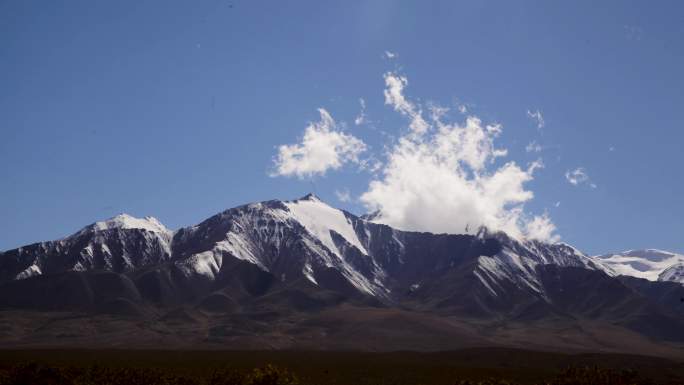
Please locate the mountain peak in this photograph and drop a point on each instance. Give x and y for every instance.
(310, 197)
(372, 216)
(126, 221)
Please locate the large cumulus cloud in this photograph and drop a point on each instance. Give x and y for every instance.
(439, 175)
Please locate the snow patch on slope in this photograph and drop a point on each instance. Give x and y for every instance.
(236, 245)
(647, 264)
(318, 218)
(673, 273)
(30, 271)
(308, 273)
(207, 264)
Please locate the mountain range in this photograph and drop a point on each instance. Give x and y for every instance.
(302, 274)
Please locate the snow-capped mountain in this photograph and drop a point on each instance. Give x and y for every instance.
(288, 239)
(304, 238)
(650, 264)
(308, 238)
(119, 244)
(277, 257)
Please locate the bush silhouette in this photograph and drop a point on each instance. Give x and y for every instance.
(35, 373)
(598, 376)
(268, 375)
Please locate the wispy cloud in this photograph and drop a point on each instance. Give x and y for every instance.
(394, 87)
(361, 117)
(343, 195)
(322, 148)
(537, 117)
(533, 146)
(390, 55)
(579, 176)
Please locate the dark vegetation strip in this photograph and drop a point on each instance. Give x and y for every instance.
(475, 366)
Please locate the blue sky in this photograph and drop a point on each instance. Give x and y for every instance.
(177, 109)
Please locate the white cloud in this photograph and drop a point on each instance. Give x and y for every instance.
(533, 146)
(463, 109)
(370, 164)
(443, 176)
(390, 55)
(578, 176)
(394, 87)
(322, 148)
(557, 204)
(343, 195)
(437, 112)
(537, 164)
(537, 117)
(361, 117)
(440, 181)
(542, 228)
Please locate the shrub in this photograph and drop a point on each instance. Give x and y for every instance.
(597, 376)
(490, 381)
(270, 375)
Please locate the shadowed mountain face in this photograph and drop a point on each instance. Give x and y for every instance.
(307, 274)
